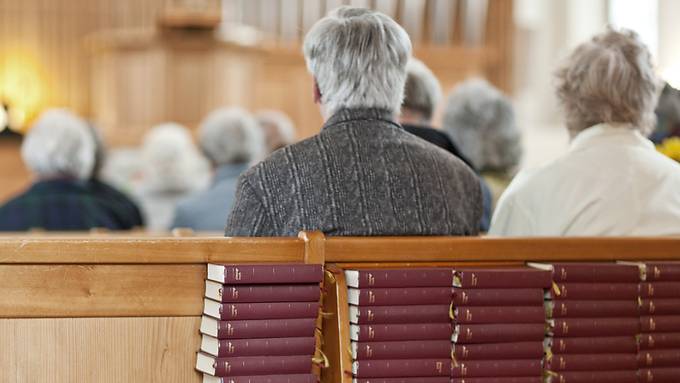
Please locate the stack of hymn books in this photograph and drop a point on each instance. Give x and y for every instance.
(260, 323)
(499, 325)
(659, 341)
(399, 325)
(593, 316)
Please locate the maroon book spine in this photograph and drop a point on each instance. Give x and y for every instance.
(595, 377)
(499, 333)
(406, 368)
(401, 332)
(420, 379)
(591, 362)
(272, 274)
(659, 358)
(594, 345)
(405, 296)
(663, 272)
(498, 297)
(660, 290)
(660, 323)
(595, 291)
(576, 327)
(501, 278)
(278, 293)
(498, 351)
(593, 309)
(266, 328)
(496, 368)
(659, 341)
(481, 314)
(595, 273)
(292, 378)
(403, 314)
(659, 375)
(428, 349)
(257, 365)
(520, 379)
(660, 307)
(267, 347)
(415, 277)
(277, 310)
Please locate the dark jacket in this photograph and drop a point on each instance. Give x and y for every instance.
(125, 212)
(363, 174)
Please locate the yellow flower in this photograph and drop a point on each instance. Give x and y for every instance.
(670, 147)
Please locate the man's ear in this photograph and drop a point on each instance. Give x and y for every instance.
(317, 93)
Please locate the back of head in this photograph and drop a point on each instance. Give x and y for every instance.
(481, 120)
(422, 90)
(230, 136)
(169, 158)
(358, 58)
(278, 129)
(59, 145)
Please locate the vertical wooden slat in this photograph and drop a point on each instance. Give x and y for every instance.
(388, 7)
(269, 16)
(442, 16)
(412, 19)
(311, 13)
(290, 21)
(475, 12)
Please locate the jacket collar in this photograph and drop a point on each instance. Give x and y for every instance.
(617, 133)
(361, 114)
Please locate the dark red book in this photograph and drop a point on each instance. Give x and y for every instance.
(660, 290)
(276, 310)
(397, 296)
(592, 345)
(659, 358)
(265, 274)
(425, 349)
(577, 327)
(593, 377)
(498, 333)
(258, 347)
(662, 271)
(491, 314)
(660, 323)
(521, 277)
(399, 314)
(282, 328)
(659, 340)
(254, 365)
(498, 297)
(497, 368)
(659, 375)
(594, 291)
(591, 362)
(411, 277)
(262, 293)
(520, 379)
(400, 332)
(590, 272)
(420, 379)
(498, 351)
(295, 378)
(401, 368)
(660, 307)
(591, 309)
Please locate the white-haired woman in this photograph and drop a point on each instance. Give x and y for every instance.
(278, 129)
(231, 140)
(362, 174)
(612, 181)
(60, 152)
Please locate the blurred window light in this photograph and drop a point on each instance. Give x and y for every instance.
(22, 88)
(3, 118)
(672, 75)
(642, 16)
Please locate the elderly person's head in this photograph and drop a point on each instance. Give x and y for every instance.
(230, 136)
(422, 93)
(481, 120)
(358, 60)
(278, 129)
(59, 145)
(609, 79)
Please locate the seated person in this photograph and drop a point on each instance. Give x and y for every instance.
(363, 174)
(421, 95)
(277, 127)
(231, 140)
(611, 182)
(59, 151)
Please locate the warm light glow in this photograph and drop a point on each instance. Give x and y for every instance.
(672, 75)
(21, 88)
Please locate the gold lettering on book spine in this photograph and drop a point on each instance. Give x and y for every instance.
(234, 293)
(652, 324)
(468, 334)
(230, 329)
(237, 274)
(230, 348)
(563, 273)
(657, 272)
(650, 341)
(371, 297)
(370, 279)
(565, 327)
(650, 290)
(371, 332)
(466, 352)
(652, 307)
(465, 298)
(650, 376)
(227, 367)
(564, 292)
(473, 279)
(369, 351)
(234, 311)
(468, 315)
(370, 315)
(563, 363)
(561, 345)
(563, 309)
(439, 366)
(649, 359)
(463, 369)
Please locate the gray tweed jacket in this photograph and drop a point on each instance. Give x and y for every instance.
(362, 175)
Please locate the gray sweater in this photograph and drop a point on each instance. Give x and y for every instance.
(362, 175)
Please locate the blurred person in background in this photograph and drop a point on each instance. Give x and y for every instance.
(278, 129)
(231, 140)
(59, 150)
(481, 122)
(612, 181)
(422, 93)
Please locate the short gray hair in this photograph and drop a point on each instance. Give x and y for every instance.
(169, 158)
(278, 129)
(481, 121)
(59, 145)
(609, 79)
(422, 90)
(230, 135)
(358, 58)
